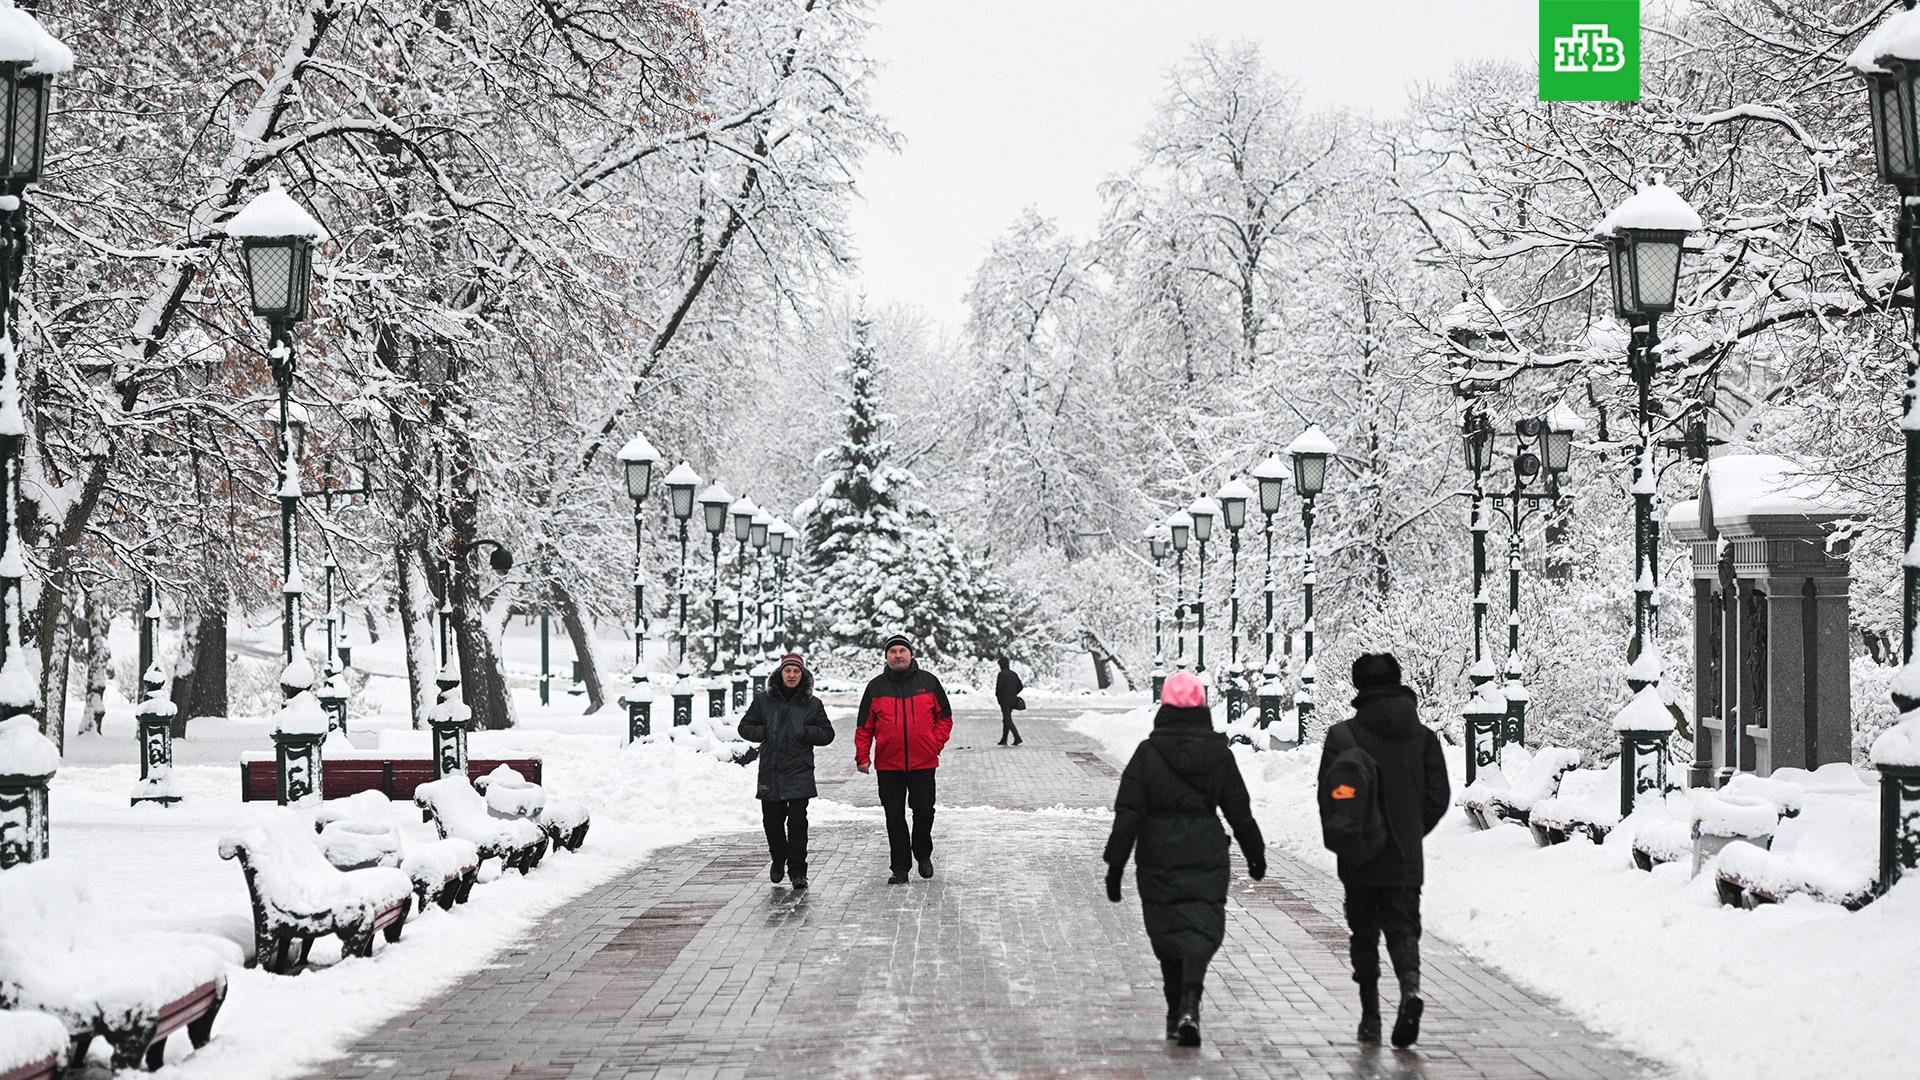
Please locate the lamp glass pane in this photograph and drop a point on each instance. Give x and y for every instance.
(681, 496)
(716, 517)
(638, 476)
(1235, 511)
(1272, 490)
(270, 277)
(757, 536)
(25, 128)
(1309, 473)
(1180, 536)
(1656, 273)
(1893, 122)
(1203, 527)
(786, 544)
(742, 526)
(1157, 548)
(1617, 271)
(1559, 450)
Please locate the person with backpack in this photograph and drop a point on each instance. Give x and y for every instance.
(903, 723)
(1166, 816)
(1383, 788)
(788, 722)
(1006, 691)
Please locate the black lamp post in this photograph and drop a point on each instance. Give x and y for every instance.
(782, 540)
(681, 483)
(1233, 498)
(741, 512)
(333, 687)
(1203, 510)
(714, 503)
(1271, 476)
(1180, 534)
(759, 537)
(1157, 550)
(1542, 452)
(1888, 59)
(1645, 240)
(637, 460)
(1310, 452)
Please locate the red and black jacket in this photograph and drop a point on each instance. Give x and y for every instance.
(904, 721)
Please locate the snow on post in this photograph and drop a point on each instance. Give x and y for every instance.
(1896, 38)
(24, 41)
(24, 751)
(1644, 712)
(273, 213)
(1655, 207)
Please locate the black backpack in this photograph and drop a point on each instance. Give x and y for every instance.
(1353, 818)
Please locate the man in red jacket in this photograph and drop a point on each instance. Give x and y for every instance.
(903, 722)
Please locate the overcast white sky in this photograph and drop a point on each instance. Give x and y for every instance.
(1011, 103)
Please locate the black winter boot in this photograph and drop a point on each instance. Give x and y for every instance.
(1187, 1024)
(1172, 992)
(777, 871)
(1406, 1026)
(1370, 1012)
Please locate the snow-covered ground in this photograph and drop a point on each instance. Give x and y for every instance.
(1795, 991)
(154, 867)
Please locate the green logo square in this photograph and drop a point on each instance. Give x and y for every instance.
(1589, 50)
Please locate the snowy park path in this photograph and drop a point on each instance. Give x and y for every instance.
(1010, 962)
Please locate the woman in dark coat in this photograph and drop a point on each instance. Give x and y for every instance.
(788, 722)
(1165, 816)
(1006, 690)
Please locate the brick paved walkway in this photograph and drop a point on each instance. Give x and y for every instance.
(1010, 962)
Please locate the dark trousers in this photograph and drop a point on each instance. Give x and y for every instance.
(1373, 910)
(899, 789)
(786, 821)
(1177, 972)
(1006, 725)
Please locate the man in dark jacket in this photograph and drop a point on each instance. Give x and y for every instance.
(903, 723)
(1167, 817)
(1006, 690)
(1383, 893)
(788, 722)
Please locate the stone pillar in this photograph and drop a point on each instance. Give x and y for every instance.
(1797, 670)
(1687, 525)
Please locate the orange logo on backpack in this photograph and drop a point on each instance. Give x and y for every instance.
(1344, 792)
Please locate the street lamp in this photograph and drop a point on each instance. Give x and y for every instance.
(681, 484)
(1543, 450)
(1180, 533)
(1889, 59)
(1157, 546)
(714, 503)
(760, 537)
(1202, 510)
(742, 511)
(1645, 236)
(1233, 498)
(781, 540)
(1310, 452)
(637, 460)
(1271, 476)
(333, 687)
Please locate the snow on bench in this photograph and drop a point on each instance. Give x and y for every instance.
(299, 896)
(459, 813)
(509, 795)
(133, 989)
(1534, 777)
(1830, 851)
(359, 827)
(1588, 801)
(33, 1045)
(350, 772)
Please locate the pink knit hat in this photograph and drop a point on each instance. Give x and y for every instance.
(1183, 691)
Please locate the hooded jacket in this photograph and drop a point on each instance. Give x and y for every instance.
(1007, 686)
(1164, 816)
(788, 724)
(904, 721)
(1413, 781)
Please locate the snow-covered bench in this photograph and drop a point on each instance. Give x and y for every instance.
(131, 989)
(509, 795)
(359, 831)
(349, 772)
(1588, 801)
(460, 813)
(1829, 851)
(33, 1045)
(299, 896)
(1533, 777)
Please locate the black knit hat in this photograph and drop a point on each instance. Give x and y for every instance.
(897, 639)
(1376, 669)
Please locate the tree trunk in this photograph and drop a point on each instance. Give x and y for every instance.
(1104, 661)
(483, 680)
(56, 725)
(580, 633)
(416, 606)
(185, 673)
(202, 689)
(98, 657)
(373, 625)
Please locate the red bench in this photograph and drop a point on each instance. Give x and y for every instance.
(195, 1012)
(39, 1070)
(394, 776)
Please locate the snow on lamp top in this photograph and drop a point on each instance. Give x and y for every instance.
(24, 41)
(1312, 441)
(1646, 712)
(1655, 206)
(24, 751)
(683, 476)
(639, 449)
(1896, 38)
(717, 493)
(1234, 489)
(274, 213)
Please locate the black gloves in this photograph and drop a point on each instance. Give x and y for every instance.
(1113, 882)
(1257, 867)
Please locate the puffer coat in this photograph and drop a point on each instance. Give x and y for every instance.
(788, 724)
(1165, 817)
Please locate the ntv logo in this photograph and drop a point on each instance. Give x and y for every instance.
(1589, 49)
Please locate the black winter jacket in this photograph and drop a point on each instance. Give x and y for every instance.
(1165, 816)
(1007, 686)
(1413, 781)
(788, 724)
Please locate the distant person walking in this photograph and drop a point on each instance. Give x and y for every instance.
(1166, 816)
(1409, 779)
(1006, 690)
(903, 723)
(788, 722)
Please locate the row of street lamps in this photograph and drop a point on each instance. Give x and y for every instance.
(732, 669)
(1193, 527)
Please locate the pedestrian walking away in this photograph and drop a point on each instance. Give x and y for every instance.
(788, 721)
(903, 723)
(1006, 690)
(1383, 787)
(1167, 818)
